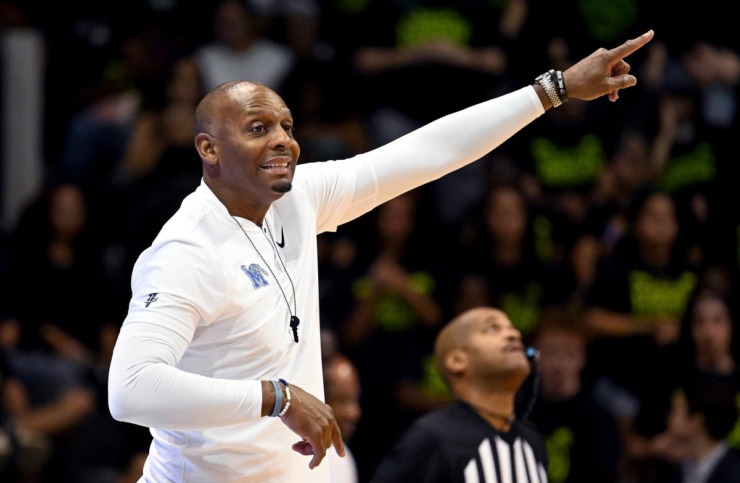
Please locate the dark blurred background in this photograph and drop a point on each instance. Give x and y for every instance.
(619, 219)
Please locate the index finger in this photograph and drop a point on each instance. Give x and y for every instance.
(631, 45)
(337, 440)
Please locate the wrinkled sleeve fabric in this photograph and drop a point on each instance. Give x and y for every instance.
(144, 386)
(438, 148)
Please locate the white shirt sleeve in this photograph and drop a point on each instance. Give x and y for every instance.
(439, 148)
(146, 388)
(168, 303)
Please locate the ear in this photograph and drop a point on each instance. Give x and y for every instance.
(206, 147)
(456, 361)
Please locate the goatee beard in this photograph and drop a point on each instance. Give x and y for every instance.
(282, 186)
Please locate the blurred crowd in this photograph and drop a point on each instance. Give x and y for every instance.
(605, 231)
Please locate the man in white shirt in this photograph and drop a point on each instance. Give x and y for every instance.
(220, 351)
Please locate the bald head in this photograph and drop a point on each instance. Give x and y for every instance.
(210, 107)
(455, 333)
(342, 389)
(480, 344)
(339, 371)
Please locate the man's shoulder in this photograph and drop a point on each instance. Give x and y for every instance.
(316, 178)
(440, 419)
(187, 217)
(194, 225)
(313, 168)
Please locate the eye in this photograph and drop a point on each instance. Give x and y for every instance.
(492, 328)
(289, 128)
(257, 128)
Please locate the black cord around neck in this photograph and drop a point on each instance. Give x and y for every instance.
(294, 320)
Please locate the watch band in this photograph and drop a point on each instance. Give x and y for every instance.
(545, 80)
(559, 80)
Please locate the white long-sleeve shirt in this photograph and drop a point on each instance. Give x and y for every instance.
(208, 321)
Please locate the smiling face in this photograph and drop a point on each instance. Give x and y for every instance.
(245, 139)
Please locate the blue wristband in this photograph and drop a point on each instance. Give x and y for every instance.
(278, 399)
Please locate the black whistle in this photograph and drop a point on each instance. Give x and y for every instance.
(294, 323)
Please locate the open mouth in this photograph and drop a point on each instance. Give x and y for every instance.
(277, 168)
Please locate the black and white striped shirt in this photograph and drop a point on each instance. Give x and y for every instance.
(455, 445)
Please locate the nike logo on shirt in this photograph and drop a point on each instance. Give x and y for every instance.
(281, 244)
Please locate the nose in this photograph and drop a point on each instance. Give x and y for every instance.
(281, 137)
(514, 333)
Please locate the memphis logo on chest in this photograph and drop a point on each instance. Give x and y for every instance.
(257, 275)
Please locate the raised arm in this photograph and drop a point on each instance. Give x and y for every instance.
(465, 136)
